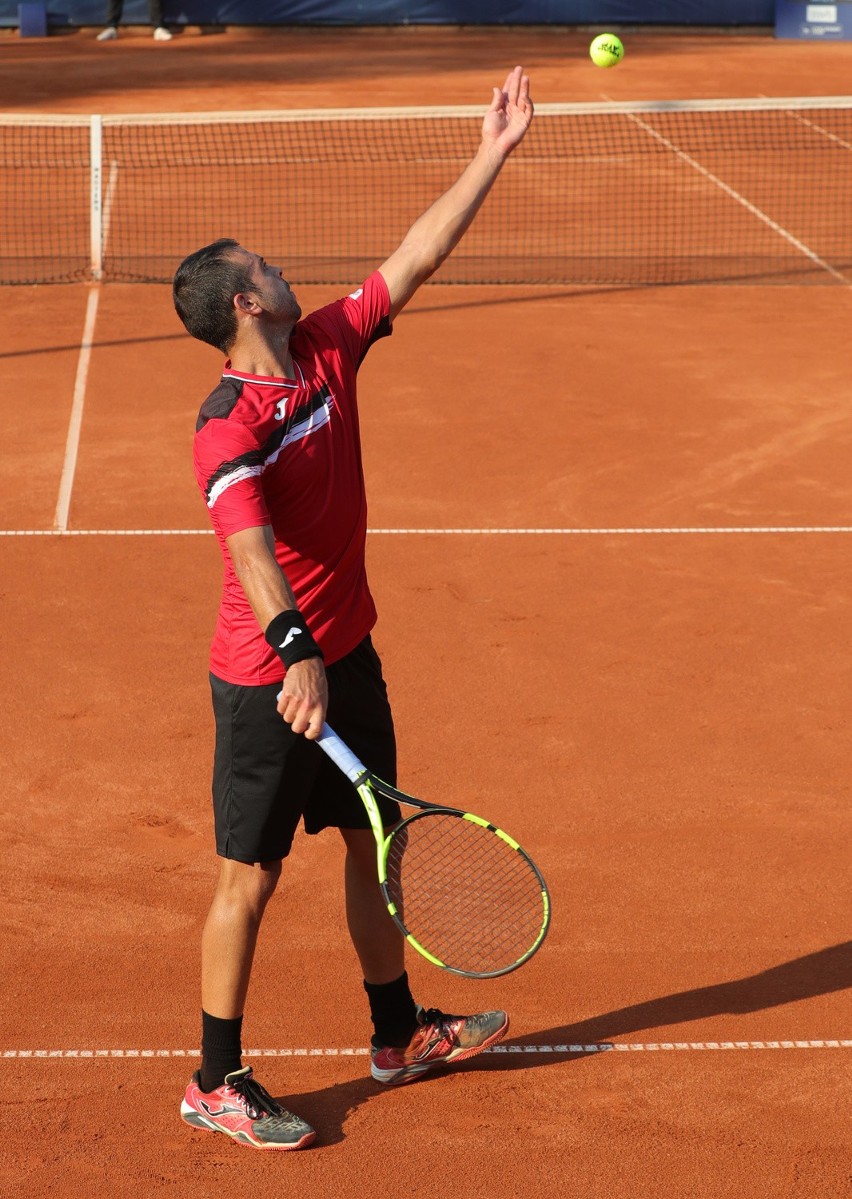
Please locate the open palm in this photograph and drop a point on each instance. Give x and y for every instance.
(510, 114)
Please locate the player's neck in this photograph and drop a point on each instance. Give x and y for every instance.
(271, 359)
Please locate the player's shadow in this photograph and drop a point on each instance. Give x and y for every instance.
(98, 345)
(819, 973)
(327, 1109)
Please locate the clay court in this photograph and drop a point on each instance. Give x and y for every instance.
(635, 545)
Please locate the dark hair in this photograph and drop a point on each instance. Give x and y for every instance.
(204, 287)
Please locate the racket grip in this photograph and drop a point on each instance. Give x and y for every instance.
(339, 752)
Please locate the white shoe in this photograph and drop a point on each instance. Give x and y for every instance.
(108, 35)
(161, 34)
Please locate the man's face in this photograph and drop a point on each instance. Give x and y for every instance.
(270, 289)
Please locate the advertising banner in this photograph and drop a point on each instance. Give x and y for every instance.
(814, 22)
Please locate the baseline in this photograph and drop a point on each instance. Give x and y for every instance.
(731, 530)
(564, 1050)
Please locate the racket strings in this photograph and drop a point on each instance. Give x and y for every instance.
(464, 893)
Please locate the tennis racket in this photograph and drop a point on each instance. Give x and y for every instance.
(464, 893)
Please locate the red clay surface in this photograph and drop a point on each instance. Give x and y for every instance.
(661, 719)
(258, 69)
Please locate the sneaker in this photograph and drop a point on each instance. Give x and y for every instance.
(245, 1111)
(440, 1039)
(108, 35)
(161, 34)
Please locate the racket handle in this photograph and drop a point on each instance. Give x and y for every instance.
(339, 752)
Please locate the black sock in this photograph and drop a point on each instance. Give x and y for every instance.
(393, 1011)
(221, 1049)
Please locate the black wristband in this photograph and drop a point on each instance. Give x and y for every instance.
(290, 637)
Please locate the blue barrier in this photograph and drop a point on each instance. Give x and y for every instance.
(414, 12)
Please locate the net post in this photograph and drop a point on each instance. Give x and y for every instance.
(96, 197)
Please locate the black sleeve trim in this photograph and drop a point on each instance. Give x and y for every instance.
(383, 329)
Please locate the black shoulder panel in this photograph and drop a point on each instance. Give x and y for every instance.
(220, 403)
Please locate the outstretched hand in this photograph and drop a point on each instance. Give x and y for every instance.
(510, 114)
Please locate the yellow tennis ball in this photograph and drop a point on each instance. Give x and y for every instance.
(606, 50)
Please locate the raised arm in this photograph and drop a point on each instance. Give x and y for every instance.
(435, 234)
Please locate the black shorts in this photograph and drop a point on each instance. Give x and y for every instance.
(266, 778)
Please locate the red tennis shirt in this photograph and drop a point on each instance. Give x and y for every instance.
(287, 453)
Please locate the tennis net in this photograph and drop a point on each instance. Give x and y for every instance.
(616, 194)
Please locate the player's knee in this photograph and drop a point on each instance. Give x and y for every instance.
(249, 885)
(360, 843)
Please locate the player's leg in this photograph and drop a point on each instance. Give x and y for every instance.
(407, 1040)
(259, 780)
(230, 935)
(358, 709)
(377, 940)
(224, 1096)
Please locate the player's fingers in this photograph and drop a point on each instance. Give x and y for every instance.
(299, 719)
(303, 715)
(496, 100)
(315, 723)
(290, 706)
(512, 86)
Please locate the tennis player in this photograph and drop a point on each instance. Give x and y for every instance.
(277, 457)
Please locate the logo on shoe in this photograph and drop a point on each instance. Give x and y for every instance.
(225, 1110)
(435, 1040)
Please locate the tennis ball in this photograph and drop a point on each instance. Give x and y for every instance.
(606, 50)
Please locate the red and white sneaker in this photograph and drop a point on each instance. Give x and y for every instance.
(245, 1111)
(439, 1040)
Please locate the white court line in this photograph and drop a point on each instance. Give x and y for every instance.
(731, 530)
(817, 128)
(832, 137)
(564, 1050)
(73, 441)
(72, 444)
(613, 532)
(735, 195)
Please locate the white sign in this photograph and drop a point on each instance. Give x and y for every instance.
(821, 14)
